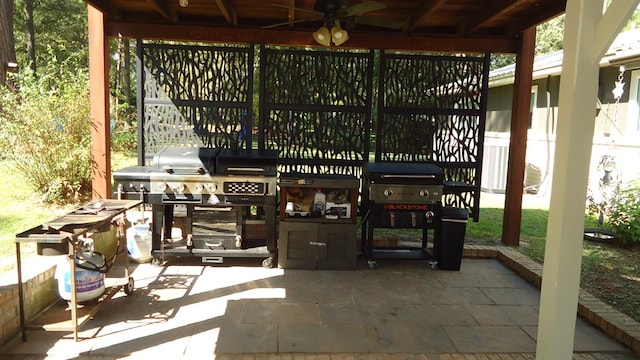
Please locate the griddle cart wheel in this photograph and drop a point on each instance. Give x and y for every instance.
(267, 263)
(128, 287)
(157, 261)
(372, 264)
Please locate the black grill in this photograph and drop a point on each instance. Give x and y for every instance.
(400, 196)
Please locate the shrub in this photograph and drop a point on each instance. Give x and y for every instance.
(46, 133)
(624, 213)
(124, 133)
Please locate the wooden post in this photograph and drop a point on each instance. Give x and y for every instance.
(99, 102)
(520, 117)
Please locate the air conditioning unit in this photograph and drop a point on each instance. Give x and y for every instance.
(495, 163)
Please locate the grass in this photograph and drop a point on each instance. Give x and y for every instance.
(609, 271)
(21, 210)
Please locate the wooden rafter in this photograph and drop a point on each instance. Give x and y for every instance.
(292, 13)
(227, 11)
(495, 10)
(163, 9)
(427, 8)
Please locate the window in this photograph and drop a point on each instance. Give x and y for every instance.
(633, 111)
(532, 105)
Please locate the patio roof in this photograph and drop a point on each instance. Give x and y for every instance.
(625, 50)
(496, 26)
(450, 26)
(434, 25)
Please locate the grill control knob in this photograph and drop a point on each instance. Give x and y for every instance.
(162, 187)
(424, 193)
(429, 215)
(178, 188)
(211, 187)
(199, 188)
(388, 192)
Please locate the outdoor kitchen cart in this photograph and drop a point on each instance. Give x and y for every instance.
(65, 236)
(318, 221)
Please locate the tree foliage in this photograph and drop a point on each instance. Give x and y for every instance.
(45, 131)
(550, 36)
(45, 124)
(60, 29)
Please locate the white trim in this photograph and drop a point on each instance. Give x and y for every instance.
(633, 107)
(533, 107)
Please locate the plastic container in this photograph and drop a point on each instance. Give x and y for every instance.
(449, 242)
(139, 243)
(319, 202)
(89, 283)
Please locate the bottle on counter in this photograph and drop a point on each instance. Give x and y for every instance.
(319, 202)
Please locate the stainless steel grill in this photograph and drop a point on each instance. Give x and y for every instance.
(242, 183)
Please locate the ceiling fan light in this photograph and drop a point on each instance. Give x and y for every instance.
(322, 36)
(339, 36)
(183, 3)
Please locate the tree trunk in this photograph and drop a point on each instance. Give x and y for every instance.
(7, 41)
(31, 35)
(127, 71)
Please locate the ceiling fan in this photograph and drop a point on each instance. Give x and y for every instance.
(332, 12)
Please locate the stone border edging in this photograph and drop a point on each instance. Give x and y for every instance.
(621, 327)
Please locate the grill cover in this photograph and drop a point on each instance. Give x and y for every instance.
(403, 173)
(247, 162)
(186, 160)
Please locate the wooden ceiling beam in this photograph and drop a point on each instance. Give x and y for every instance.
(227, 11)
(303, 38)
(495, 10)
(426, 9)
(101, 5)
(541, 17)
(162, 8)
(291, 17)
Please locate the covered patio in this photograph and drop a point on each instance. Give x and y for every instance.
(403, 310)
(443, 26)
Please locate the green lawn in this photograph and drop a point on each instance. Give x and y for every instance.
(21, 210)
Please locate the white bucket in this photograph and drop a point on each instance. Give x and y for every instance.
(89, 283)
(139, 243)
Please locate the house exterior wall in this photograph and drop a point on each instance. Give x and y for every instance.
(616, 130)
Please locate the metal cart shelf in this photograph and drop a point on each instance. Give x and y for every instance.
(65, 232)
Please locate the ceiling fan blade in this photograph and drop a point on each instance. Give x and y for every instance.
(364, 7)
(385, 23)
(299, 9)
(286, 23)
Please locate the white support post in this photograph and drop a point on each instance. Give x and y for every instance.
(576, 118)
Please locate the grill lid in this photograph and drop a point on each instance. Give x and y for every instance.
(185, 160)
(247, 162)
(403, 173)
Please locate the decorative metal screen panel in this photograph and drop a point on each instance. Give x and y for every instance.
(197, 95)
(316, 108)
(432, 109)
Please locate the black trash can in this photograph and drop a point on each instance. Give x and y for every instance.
(449, 238)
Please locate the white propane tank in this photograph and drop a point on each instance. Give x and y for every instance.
(89, 283)
(139, 243)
